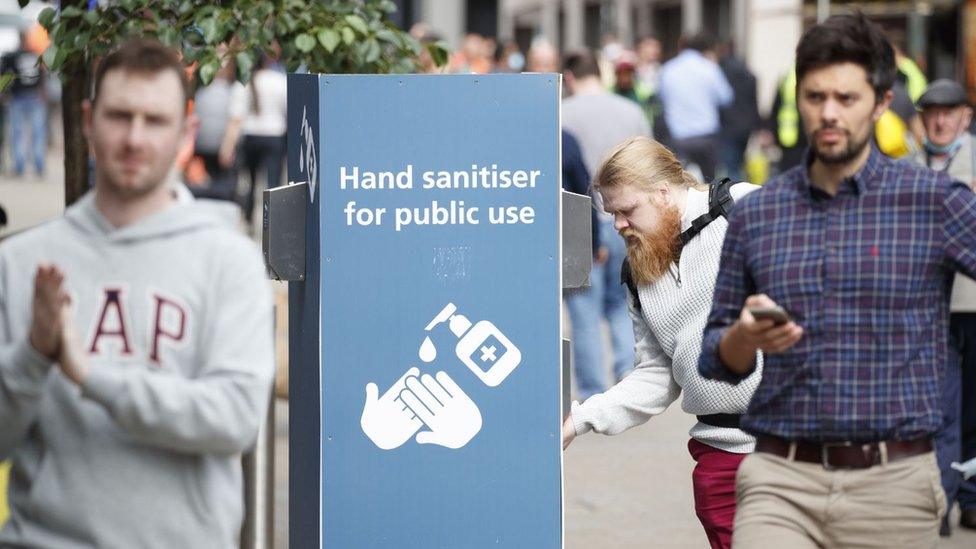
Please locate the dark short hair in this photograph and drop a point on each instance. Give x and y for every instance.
(581, 64)
(848, 39)
(700, 42)
(142, 56)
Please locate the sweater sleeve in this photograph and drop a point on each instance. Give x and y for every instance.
(23, 373)
(959, 213)
(220, 409)
(647, 391)
(722, 89)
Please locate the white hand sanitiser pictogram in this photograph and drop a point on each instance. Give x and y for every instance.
(386, 420)
(452, 417)
(416, 400)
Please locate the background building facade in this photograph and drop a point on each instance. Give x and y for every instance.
(939, 34)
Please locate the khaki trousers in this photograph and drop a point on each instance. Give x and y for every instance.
(795, 505)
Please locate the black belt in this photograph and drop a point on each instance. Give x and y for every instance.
(844, 455)
(729, 421)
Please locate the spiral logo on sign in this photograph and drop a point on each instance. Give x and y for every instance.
(307, 163)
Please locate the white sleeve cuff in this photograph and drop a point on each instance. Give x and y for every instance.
(580, 422)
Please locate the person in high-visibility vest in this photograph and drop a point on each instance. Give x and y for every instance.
(785, 122)
(911, 74)
(912, 79)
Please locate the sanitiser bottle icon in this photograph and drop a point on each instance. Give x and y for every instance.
(483, 348)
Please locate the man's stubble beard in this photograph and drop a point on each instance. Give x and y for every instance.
(853, 150)
(651, 255)
(129, 193)
(132, 192)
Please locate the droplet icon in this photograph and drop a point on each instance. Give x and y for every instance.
(427, 350)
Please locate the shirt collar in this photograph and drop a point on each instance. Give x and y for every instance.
(864, 180)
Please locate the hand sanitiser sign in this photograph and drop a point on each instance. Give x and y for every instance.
(435, 343)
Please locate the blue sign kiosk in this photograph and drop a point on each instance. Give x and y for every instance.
(425, 345)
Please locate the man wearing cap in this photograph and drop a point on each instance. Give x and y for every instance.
(627, 84)
(949, 147)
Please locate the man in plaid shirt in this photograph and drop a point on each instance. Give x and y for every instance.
(859, 250)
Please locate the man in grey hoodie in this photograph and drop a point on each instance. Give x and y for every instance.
(135, 341)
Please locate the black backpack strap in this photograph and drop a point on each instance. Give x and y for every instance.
(721, 199)
(720, 204)
(626, 277)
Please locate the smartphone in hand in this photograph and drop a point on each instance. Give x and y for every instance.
(777, 314)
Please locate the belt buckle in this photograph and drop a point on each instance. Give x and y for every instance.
(825, 450)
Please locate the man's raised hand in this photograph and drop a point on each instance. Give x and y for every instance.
(49, 299)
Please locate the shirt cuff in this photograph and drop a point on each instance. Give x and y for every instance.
(103, 384)
(580, 421)
(30, 368)
(710, 365)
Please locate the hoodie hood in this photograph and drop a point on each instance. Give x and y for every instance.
(185, 215)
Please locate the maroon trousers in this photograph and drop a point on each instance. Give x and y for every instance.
(714, 486)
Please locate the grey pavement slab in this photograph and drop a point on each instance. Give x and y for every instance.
(633, 490)
(630, 491)
(30, 200)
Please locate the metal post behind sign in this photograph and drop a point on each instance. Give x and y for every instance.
(257, 532)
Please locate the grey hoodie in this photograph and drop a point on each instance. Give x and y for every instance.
(176, 315)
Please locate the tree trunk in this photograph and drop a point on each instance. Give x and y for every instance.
(75, 144)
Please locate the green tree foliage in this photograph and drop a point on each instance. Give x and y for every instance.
(324, 36)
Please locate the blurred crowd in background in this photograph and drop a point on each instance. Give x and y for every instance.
(241, 142)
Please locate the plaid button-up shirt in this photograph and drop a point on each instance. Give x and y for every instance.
(867, 273)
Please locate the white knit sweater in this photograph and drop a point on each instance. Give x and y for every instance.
(668, 334)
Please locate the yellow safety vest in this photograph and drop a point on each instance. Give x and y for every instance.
(916, 82)
(788, 117)
(4, 479)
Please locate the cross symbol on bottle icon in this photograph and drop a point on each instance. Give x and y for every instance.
(488, 354)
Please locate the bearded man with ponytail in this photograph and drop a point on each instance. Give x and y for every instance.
(674, 228)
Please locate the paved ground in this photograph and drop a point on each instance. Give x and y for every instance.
(30, 200)
(631, 491)
(628, 491)
(634, 490)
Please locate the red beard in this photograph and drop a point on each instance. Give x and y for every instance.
(651, 255)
